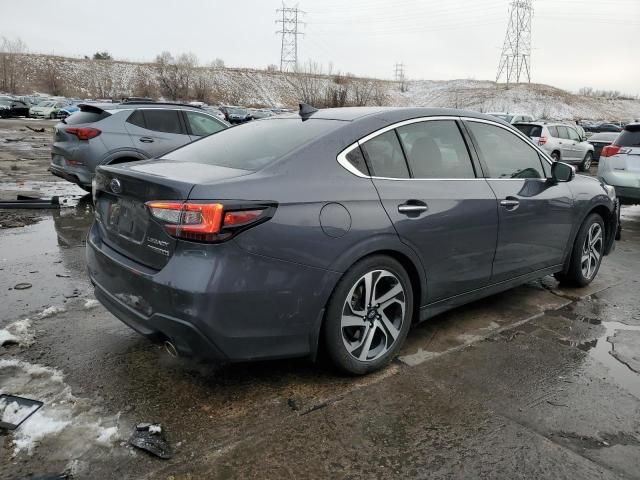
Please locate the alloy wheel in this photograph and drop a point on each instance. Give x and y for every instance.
(592, 251)
(372, 315)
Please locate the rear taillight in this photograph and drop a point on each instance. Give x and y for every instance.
(611, 150)
(83, 133)
(542, 140)
(208, 222)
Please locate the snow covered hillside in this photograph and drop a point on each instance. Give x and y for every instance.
(115, 79)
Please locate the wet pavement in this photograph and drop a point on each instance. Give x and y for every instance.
(537, 382)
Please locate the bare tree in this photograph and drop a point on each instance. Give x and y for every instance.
(11, 56)
(308, 83)
(175, 74)
(51, 79)
(143, 85)
(218, 63)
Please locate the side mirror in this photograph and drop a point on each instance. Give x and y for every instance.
(562, 172)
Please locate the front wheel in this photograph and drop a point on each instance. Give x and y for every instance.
(586, 163)
(369, 315)
(586, 255)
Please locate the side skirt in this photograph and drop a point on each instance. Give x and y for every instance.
(441, 306)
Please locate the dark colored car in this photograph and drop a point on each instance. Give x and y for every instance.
(235, 115)
(337, 229)
(603, 127)
(599, 141)
(13, 108)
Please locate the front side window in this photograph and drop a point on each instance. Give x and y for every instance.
(167, 121)
(385, 156)
(573, 135)
(436, 149)
(202, 125)
(505, 154)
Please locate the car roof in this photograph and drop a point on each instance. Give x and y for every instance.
(389, 114)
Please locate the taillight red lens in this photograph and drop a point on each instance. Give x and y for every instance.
(242, 217)
(542, 140)
(202, 222)
(610, 150)
(83, 133)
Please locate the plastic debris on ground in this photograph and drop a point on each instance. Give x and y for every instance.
(150, 438)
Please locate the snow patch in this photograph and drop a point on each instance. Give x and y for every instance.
(17, 332)
(65, 422)
(91, 304)
(51, 311)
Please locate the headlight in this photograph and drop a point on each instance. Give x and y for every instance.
(611, 192)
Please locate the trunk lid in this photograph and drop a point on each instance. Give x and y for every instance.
(121, 192)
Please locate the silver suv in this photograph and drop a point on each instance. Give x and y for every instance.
(619, 164)
(117, 133)
(562, 142)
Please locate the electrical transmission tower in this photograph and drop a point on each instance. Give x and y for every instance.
(515, 60)
(290, 31)
(399, 72)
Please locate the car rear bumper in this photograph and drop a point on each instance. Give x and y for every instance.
(626, 184)
(215, 301)
(78, 177)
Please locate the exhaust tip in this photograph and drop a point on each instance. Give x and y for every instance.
(171, 349)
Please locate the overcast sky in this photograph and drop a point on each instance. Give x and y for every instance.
(576, 43)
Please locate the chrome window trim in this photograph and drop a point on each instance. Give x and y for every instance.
(342, 156)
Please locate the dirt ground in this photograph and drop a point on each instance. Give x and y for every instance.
(537, 382)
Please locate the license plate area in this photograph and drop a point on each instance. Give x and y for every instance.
(127, 219)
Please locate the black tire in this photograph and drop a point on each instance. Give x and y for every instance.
(575, 275)
(390, 320)
(555, 156)
(85, 188)
(586, 163)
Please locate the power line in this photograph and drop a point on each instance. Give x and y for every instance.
(290, 31)
(515, 60)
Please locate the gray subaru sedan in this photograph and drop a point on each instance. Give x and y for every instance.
(336, 229)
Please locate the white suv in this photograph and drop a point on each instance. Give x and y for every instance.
(619, 164)
(562, 142)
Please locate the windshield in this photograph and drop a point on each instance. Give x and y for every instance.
(629, 137)
(5, 102)
(254, 145)
(45, 104)
(529, 130)
(237, 111)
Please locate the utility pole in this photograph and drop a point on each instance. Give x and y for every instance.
(515, 60)
(289, 18)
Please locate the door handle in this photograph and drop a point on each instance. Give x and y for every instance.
(146, 139)
(510, 203)
(413, 207)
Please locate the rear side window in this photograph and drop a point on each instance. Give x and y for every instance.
(356, 159)
(630, 137)
(553, 131)
(505, 154)
(385, 156)
(202, 125)
(137, 119)
(86, 117)
(530, 130)
(436, 149)
(254, 145)
(167, 121)
(563, 132)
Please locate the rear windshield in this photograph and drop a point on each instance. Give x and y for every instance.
(85, 117)
(630, 136)
(529, 130)
(254, 145)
